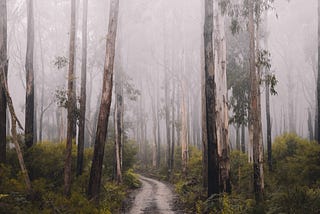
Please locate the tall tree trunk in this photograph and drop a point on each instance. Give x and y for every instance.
(222, 118)
(167, 115)
(269, 141)
(29, 114)
(42, 88)
(71, 101)
(83, 90)
(184, 129)
(172, 128)
(255, 116)
(243, 138)
(268, 115)
(237, 137)
(210, 92)
(154, 129)
(204, 124)
(178, 128)
(118, 123)
(4, 68)
(158, 132)
(318, 81)
(14, 122)
(102, 127)
(203, 111)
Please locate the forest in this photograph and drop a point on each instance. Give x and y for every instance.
(160, 106)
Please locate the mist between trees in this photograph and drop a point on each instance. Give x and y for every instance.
(162, 78)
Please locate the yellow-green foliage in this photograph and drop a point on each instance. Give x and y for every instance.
(129, 156)
(189, 186)
(293, 186)
(45, 162)
(112, 197)
(296, 161)
(131, 179)
(226, 204)
(241, 174)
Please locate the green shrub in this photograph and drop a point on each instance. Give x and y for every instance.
(296, 161)
(241, 174)
(129, 157)
(227, 204)
(295, 200)
(112, 197)
(131, 179)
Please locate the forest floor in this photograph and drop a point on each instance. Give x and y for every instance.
(154, 197)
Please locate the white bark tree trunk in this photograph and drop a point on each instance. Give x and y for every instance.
(222, 117)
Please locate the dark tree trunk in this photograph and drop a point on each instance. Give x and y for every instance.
(71, 101)
(42, 89)
(269, 141)
(83, 90)
(310, 127)
(102, 127)
(29, 114)
(4, 69)
(318, 81)
(237, 137)
(210, 91)
(243, 138)
(203, 122)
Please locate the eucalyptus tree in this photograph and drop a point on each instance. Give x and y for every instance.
(210, 93)
(3, 69)
(102, 126)
(83, 93)
(30, 100)
(318, 82)
(70, 104)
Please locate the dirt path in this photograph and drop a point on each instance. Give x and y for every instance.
(154, 197)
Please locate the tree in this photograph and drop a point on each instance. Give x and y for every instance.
(172, 127)
(96, 168)
(268, 115)
(4, 68)
(83, 93)
(184, 128)
(255, 108)
(14, 122)
(70, 102)
(210, 93)
(29, 114)
(119, 110)
(221, 96)
(318, 82)
(167, 118)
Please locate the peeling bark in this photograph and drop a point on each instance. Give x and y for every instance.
(210, 92)
(222, 117)
(102, 127)
(255, 111)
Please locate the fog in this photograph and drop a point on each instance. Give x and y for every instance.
(158, 39)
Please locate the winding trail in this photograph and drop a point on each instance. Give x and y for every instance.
(153, 198)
